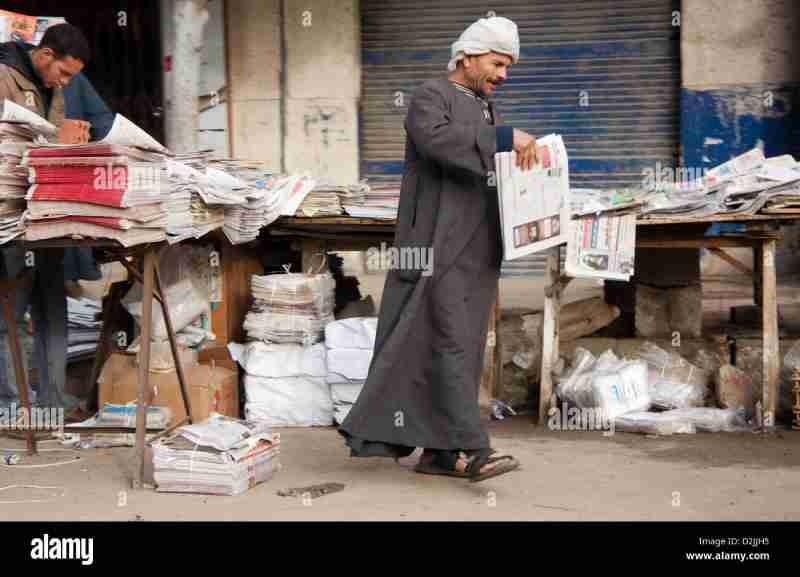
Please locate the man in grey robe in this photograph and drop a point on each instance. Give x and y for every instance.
(423, 384)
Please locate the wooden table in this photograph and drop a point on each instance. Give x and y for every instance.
(762, 235)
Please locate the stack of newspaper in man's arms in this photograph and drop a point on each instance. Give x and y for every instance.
(290, 308)
(84, 326)
(349, 343)
(220, 456)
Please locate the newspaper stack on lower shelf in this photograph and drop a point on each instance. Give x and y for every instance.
(220, 456)
(290, 308)
(84, 326)
(350, 343)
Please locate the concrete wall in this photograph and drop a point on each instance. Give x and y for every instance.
(740, 74)
(306, 117)
(323, 80)
(254, 64)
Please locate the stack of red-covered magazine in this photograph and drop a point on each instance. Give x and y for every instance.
(95, 190)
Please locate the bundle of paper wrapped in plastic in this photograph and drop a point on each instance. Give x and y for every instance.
(220, 456)
(290, 307)
(659, 393)
(349, 344)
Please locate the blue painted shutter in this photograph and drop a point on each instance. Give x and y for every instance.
(603, 74)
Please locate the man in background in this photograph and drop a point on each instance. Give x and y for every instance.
(36, 77)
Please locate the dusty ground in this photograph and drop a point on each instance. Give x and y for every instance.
(565, 476)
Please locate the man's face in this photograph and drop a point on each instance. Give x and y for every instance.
(487, 71)
(56, 72)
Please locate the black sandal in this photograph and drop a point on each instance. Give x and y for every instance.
(444, 463)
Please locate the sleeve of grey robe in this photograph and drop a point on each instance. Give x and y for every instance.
(466, 146)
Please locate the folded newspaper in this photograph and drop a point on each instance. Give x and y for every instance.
(534, 204)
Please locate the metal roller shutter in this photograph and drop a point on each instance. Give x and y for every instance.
(604, 74)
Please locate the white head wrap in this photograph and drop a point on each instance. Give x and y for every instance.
(495, 34)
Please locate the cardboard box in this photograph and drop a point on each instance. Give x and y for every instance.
(210, 390)
(220, 356)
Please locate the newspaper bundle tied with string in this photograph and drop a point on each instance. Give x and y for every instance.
(220, 456)
(290, 307)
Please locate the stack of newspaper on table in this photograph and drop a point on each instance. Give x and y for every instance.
(110, 189)
(83, 326)
(377, 200)
(349, 343)
(19, 127)
(290, 307)
(534, 204)
(322, 200)
(177, 179)
(745, 185)
(220, 456)
(13, 178)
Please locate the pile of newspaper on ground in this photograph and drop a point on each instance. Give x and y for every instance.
(349, 345)
(220, 456)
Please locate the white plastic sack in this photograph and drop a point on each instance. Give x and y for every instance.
(340, 413)
(346, 393)
(352, 333)
(289, 402)
(352, 364)
(278, 361)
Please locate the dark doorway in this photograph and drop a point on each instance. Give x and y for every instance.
(125, 39)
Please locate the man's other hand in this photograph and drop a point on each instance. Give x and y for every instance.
(74, 132)
(525, 147)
